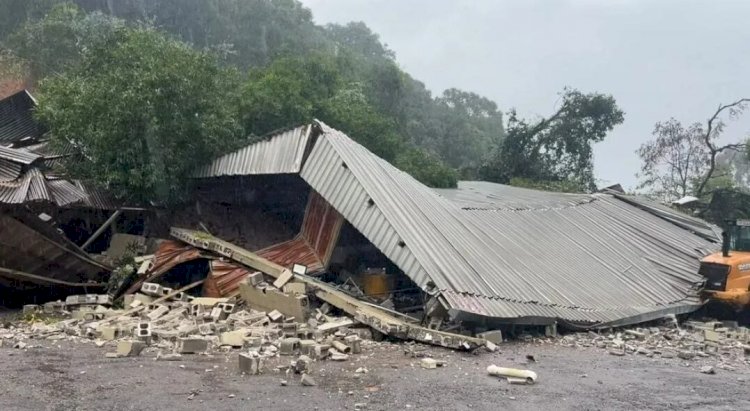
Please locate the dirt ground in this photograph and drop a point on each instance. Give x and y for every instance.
(64, 375)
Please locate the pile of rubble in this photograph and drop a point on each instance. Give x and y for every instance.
(174, 324)
(721, 342)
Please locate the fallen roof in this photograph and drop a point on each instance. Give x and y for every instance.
(280, 153)
(16, 118)
(499, 252)
(23, 181)
(44, 256)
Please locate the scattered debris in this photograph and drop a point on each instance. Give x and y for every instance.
(307, 381)
(707, 369)
(513, 375)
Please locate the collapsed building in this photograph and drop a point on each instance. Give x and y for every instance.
(312, 201)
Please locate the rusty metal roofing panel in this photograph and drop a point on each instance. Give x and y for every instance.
(281, 153)
(295, 251)
(588, 259)
(224, 279)
(16, 118)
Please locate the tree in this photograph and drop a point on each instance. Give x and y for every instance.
(714, 128)
(557, 148)
(57, 42)
(142, 111)
(673, 161)
(689, 161)
(471, 125)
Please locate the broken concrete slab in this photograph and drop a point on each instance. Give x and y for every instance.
(270, 299)
(191, 345)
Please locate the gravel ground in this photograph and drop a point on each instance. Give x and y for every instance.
(64, 375)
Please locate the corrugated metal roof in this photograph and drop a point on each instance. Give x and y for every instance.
(18, 156)
(33, 186)
(696, 225)
(16, 118)
(580, 258)
(490, 196)
(9, 170)
(281, 153)
(95, 197)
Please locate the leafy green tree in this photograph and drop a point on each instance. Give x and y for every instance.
(557, 148)
(143, 111)
(57, 42)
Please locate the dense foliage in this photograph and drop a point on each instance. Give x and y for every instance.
(142, 111)
(556, 150)
(296, 71)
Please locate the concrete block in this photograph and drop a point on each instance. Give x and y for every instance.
(157, 312)
(217, 313)
(711, 336)
(495, 336)
(233, 338)
(191, 345)
(251, 364)
(289, 329)
(295, 288)
(284, 278)
(307, 347)
(205, 329)
(321, 351)
(53, 307)
(275, 316)
(269, 299)
(108, 333)
(289, 346)
(151, 289)
(208, 301)
(355, 343)
(227, 308)
(31, 309)
(130, 348)
(143, 330)
(255, 278)
(104, 299)
(428, 363)
(165, 291)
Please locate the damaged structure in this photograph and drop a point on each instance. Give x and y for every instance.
(491, 254)
(307, 214)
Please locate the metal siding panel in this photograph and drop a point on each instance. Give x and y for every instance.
(281, 153)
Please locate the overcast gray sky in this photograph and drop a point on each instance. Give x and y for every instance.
(658, 58)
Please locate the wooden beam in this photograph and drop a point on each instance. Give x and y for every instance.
(6, 272)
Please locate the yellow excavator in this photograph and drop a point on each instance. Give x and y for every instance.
(727, 273)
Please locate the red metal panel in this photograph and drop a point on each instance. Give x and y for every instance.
(224, 279)
(291, 252)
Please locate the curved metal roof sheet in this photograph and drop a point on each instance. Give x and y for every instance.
(581, 258)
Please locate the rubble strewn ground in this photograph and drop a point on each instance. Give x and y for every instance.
(74, 375)
(180, 354)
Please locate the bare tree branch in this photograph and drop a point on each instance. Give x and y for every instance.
(710, 126)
